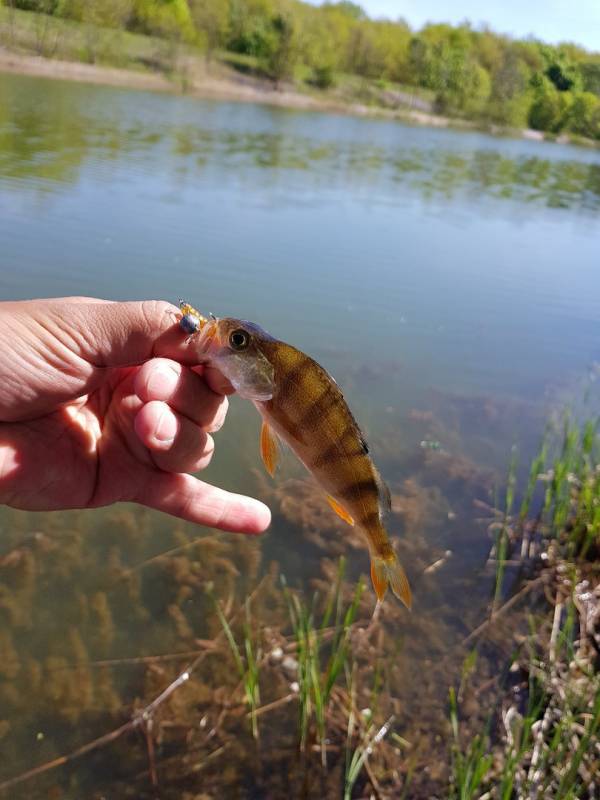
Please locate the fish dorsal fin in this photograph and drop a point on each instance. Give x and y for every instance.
(341, 512)
(269, 448)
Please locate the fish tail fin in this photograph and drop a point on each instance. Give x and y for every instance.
(387, 571)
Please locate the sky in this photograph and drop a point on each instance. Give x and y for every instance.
(549, 20)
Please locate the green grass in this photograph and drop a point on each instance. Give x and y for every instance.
(469, 765)
(362, 734)
(553, 748)
(547, 751)
(502, 540)
(54, 37)
(322, 653)
(247, 661)
(571, 470)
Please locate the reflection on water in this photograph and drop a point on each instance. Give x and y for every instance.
(449, 282)
(48, 132)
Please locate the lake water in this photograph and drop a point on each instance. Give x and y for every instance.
(448, 280)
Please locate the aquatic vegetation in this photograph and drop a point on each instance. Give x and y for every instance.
(316, 680)
(192, 641)
(546, 741)
(248, 664)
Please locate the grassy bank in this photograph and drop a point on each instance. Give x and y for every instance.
(49, 46)
(542, 734)
(24, 34)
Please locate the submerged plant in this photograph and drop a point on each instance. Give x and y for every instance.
(367, 735)
(247, 663)
(322, 652)
(470, 763)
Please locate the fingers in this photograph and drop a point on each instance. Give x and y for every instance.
(184, 390)
(178, 413)
(195, 501)
(176, 444)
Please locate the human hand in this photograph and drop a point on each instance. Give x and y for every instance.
(98, 406)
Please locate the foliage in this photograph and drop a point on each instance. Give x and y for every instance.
(549, 109)
(472, 73)
(171, 19)
(323, 76)
(584, 115)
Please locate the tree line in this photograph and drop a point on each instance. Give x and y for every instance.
(471, 73)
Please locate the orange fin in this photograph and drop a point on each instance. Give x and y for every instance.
(341, 512)
(388, 571)
(269, 449)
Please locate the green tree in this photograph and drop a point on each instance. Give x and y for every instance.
(561, 68)
(450, 68)
(590, 73)
(550, 107)
(211, 19)
(170, 19)
(352, 10)
(584, 115)
(281, 56)
(510, 95)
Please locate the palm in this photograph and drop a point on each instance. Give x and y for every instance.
(87, 452)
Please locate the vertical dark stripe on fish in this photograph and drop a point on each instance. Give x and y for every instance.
(321, 408)
(289, 377)
(336, 452)
(362, 488)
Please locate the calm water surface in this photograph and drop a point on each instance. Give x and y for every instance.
(449, 280)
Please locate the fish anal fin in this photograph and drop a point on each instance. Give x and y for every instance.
(385, 497)
(269, 449)
(389, 571)
(339, 510)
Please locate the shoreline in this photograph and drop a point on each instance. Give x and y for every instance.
(228, 86)
(224, 86)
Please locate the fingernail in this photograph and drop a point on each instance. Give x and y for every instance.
(160, 381)
(166, 427)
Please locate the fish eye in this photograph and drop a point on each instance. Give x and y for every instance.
(239, 339)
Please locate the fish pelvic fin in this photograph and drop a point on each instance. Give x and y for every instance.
(269, 449)
(387, 571)
(340, 510)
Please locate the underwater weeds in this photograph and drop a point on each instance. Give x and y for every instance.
(323, 655)
(545, 740)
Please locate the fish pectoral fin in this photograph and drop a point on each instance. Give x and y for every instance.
(269, 449)
(341, 512)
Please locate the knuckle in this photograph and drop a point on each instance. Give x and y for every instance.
(157, 313)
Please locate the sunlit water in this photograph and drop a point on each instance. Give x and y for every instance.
(449, 281)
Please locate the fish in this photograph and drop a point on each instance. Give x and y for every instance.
(302, 405)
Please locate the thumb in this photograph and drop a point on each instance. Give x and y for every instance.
(56, 350)
(185, 496)
(107, 334)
